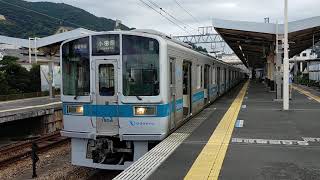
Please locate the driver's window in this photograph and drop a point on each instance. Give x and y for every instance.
(106, 80)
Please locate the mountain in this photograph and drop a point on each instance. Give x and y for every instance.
(39, 19)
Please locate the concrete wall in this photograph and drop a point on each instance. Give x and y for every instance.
(56, 77)
(314, 70)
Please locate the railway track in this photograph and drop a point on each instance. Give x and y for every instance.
(21, 150)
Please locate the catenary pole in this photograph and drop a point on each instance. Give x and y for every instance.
(286, 60)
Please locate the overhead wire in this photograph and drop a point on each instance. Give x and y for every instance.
(186, 11)
(156, 5)
(159, 12)
(193, 17)
(172, 16)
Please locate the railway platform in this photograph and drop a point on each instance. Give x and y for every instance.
(243, 135)
(28, 108)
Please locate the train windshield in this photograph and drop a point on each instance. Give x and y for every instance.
(140, 66)
(75, 68)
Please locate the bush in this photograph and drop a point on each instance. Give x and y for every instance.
(4, 88)
(35, 78)
(16, 79)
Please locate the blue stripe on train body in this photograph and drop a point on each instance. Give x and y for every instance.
(213, 90)
(222, 88)
(197, 96)
(178, 105)
(122, 110)
(163, 110)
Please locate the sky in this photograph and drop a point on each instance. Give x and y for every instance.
(134, 13)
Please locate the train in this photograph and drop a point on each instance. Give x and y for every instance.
(123, 92)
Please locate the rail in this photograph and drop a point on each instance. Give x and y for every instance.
(21, 150)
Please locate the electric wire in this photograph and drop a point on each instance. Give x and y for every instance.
(186, 11)
(149, 6)
(176, 19)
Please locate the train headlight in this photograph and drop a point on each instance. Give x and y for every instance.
(144, 110)
(75, 109)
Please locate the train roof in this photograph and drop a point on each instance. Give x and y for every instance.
(161, 35)
(169, 38)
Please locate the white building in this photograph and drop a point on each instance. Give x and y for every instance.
(235, 61)
(307, 62)
(2, 18)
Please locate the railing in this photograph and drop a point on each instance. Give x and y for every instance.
(25, 95)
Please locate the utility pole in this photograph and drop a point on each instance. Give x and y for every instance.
(286, 60)
(30, 52)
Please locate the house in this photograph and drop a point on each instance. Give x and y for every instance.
(63, 29)
(2, 18)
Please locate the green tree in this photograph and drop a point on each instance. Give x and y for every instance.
(198, 48)
(35, 79)
(4, 86)
(17, 76)
(7, 60)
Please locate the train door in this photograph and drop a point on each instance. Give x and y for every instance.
(172, 80)
(225, 79)
(187, 94)
(206, 83)
(107, 121)
(218, 79)
(228, 79)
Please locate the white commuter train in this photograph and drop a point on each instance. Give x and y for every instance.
(123, 91)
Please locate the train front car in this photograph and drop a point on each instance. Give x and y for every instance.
(113, 97)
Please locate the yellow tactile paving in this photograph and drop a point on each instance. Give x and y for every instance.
(307, 93)
(209, 162)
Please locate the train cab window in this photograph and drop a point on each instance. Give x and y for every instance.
(76, 68)
(106, 80)
(140, 59)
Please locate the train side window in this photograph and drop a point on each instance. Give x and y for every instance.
(198, 76)
(201, 76)
(213, 75)
(172, 71)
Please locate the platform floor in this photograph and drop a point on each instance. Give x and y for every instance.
(22, 103)
(27, 108)
(270, 144)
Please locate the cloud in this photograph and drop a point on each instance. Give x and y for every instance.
(134, 13)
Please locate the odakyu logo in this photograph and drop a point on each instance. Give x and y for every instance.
(135, 123)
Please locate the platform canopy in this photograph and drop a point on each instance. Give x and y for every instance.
(252, 42)
(45, 41)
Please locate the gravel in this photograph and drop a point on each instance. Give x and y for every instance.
(54, 164)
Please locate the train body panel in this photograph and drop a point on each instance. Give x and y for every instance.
(124, 90)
